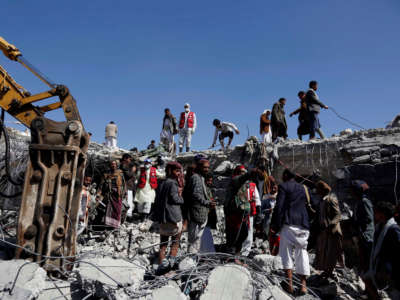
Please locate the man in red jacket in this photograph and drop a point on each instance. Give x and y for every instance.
(146, 188)
(187, 127)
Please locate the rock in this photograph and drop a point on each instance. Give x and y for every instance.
(268, 262)
(229, 282)
(30, 282)
(274, 292)
(120, 270)
(225, 167)
(168, 292)
(186, 264)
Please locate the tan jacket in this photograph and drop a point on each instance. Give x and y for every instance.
(330, 214)
(111, 130)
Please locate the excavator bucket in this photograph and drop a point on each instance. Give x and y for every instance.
(51, 194)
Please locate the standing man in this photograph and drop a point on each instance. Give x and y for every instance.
(111, 135)
(187, 127)
(169, 129)
(198, 207)
(265, 127)
(278, 120)
(314, 106)
(290, 219)
(112, 188)
(129, 171)
(168, 214)
(304, 119)
(146, 188)
(226, 131)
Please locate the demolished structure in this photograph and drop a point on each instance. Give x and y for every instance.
(121, 264)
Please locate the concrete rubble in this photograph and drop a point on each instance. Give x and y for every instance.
(109, 267)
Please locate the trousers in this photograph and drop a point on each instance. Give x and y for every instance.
(185, 136)
(248, 242)
(195, 233)
(294, 240)
(111, 142)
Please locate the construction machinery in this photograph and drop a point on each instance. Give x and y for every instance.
(54, 176)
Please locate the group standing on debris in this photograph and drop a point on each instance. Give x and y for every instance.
(273, 125)
(296, 216)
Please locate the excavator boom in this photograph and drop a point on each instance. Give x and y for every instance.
(54, 175)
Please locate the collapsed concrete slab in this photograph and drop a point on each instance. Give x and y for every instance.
(268, 262)
(229, 282)
(168, 293)
(29, 283)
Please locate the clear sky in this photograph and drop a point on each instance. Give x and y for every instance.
(127, 60)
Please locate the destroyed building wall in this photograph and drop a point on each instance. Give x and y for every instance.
(370, 155)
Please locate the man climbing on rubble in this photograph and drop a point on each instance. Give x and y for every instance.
(187, 127)
(225, 130)
(290, 219)
(265, 127)
(129, 170)
(384, 268)
(146, 189)
(169, 129)
(278, 120)
(250, 199)
(314, 106)
(304, 119)
(199, 205)
(168, 213)
(111, 135)
(112, 189)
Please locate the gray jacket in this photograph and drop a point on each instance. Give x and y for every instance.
(312, 100)
(199, 200)
(167, 206)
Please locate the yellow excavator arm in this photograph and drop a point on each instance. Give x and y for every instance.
(54, 175)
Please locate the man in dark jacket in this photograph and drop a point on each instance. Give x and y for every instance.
(384, 269)
(314, 106)
(304, 119)
(168, 130)
(290, 219)
(278, 120)
(198, 207)
(168, 213)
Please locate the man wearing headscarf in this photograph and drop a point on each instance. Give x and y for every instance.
(187, 127)
(198, 206)
(168, 213)
(265, 127)
(112, 189)
(329, 242)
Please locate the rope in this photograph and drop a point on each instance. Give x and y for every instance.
(344, 119)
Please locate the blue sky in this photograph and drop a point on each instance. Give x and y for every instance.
(128, 60)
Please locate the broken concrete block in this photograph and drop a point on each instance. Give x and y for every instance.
(168, 292)
(225, 167)
(120, 270)
(229, 282)
(273, 292)
(268, 262)
(187, 264)
(30, 281)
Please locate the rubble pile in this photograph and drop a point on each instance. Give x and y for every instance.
(122, 264)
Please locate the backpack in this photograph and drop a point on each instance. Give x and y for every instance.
(242, 201)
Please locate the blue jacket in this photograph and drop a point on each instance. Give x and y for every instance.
(290, 206)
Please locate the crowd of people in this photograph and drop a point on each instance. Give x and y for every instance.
(294, 217)
(273, 124)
